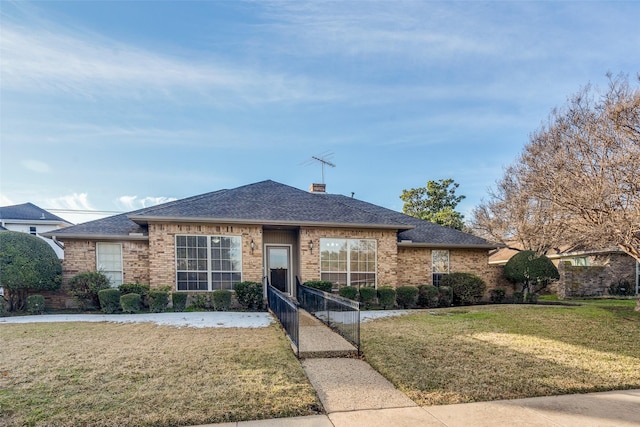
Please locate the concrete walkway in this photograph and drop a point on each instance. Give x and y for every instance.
(318, 340)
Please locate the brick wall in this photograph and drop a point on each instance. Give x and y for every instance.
(162, 265)
(414, 266)
(386, 246)
(603, 270)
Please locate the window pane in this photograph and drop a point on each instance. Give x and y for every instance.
(440, 261)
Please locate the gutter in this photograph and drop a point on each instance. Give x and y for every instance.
(411, 244)
(141, 220)
(120, 237)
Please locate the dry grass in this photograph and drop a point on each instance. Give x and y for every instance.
(502, 352)
(106, 374)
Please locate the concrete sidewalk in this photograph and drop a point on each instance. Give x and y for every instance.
(614, 409)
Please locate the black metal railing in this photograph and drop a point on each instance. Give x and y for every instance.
(286, 310)
(340, 314)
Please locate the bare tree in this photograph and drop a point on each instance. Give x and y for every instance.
(578, 178)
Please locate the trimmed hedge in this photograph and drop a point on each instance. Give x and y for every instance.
(445, 296)
(467, 288)
(367, 296)
(35, 304)
(109, 300)
(85, 287)
(497, 295)
(158, 301)
(250, 295)
(518, 297)
(136, 288)
(350, 292)
(179, 300)
(428, 296)
(221, 300)
(406, 296)
(323, 285)
(131, 303)
(3, 307)
(386, 296)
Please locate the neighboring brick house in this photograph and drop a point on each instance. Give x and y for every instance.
(585, 272)
(272, 232)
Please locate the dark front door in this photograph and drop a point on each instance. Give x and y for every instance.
(279, 267)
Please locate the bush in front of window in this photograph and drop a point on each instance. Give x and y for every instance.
(622, 288)
(199, 302)
(406, 296)
(136, 288)
(179, 301)
(3, 307)
(323, 285)
(350, 292)
(221, 300)
(386, 297)
(467, 288)
(249, 295)
(131, 303)
(158, 301)
(35, 304)
(427, 296)
(445, 296)
(109, 300)
(367, 296)
(84, 287)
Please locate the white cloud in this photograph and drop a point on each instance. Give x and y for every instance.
(5, 201)
(75, 201)
(36, 166)
(83, 64)
(133, 202)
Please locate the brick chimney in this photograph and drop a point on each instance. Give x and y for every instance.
(317, 188)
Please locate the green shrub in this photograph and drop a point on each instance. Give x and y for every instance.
(467, 288)
(622, 288)
(136, 288)
(531, 298)
(497, 295)
(27, 264)
(109, 300)
(367, 296)
(250, 295)
(518, 297)
(386, 296)
(445, 296)
(85, 287)
(221, 300)
(323, 285)
(428, 296)
(406, 296)
(35, 304)
(3, 307)
(530, 270)
(179, 300)
(350, 292)
(158, 301)
(131, 303)
(201, 301)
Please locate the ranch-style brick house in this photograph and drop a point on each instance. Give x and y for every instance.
(269, 232)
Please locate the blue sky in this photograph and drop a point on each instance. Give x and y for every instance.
(116, 105)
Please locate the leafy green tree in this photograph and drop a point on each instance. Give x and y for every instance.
(436, 203)
(27, 263)
(531, 270)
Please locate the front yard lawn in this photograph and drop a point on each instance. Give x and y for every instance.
(480, 353)
(113, 375)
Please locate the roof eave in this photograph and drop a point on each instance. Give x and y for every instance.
(446, 245)
(143, 220)
(85, 236)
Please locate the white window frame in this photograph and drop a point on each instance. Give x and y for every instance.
(433, 266)
(110, 273)
(210, 271)
(348, 272)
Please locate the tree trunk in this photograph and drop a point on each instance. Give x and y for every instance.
(638, 305)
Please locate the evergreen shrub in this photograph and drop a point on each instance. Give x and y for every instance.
(109, 300)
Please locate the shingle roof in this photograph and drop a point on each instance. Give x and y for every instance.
(272, 203)
(28, 212)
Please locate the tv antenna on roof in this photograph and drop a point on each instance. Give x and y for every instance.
(323, 159)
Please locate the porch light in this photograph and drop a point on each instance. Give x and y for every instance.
(311, 245)
(253, 245)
